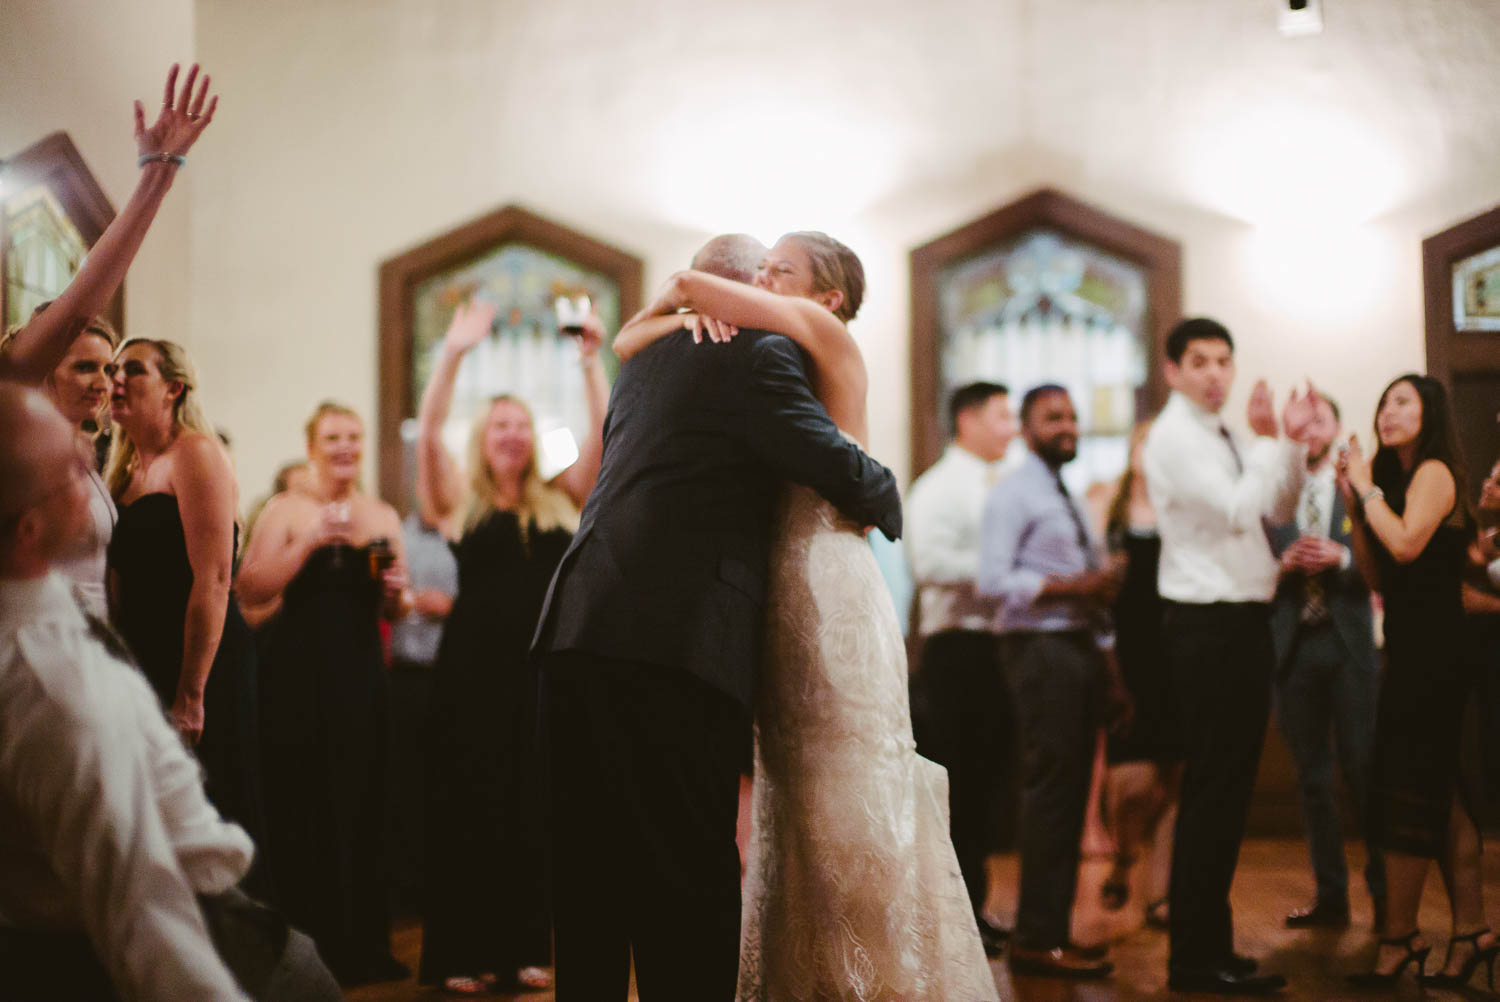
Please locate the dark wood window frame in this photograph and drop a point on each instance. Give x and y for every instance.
(400, 276)
(56, 162)
(1160, 257)
(1450, 352)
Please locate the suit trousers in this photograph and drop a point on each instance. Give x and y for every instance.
(1056, 681)
(645, 769)
(1220, 655)
(1321, 691)
(971, 733)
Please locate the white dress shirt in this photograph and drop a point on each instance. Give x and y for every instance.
(1210, 511)
(103, 822)
(943, 511)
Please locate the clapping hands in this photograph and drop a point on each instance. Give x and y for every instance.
(182, 118)
(1297, 416)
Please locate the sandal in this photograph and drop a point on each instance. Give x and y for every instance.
(1115, 891)
(534, 979)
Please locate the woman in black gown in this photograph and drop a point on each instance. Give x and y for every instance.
(486, 915)
(170, 562)
(333, 557)
(1145, 759)
(1409, 503)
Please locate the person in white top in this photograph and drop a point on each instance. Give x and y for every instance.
(65, 347)
(1217, 576)
(117, 877)
(968, 720)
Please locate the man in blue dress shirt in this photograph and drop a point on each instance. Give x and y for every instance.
(1055, 586)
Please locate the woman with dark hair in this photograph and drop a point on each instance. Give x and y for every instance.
(1409, 505)
(333, 557)
(486, 909)
(852, 889)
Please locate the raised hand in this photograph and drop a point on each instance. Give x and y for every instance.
(1261, 412)
(1355, 468)
(1299, 413)
(471, 325)
(182, 118)
(591, 336)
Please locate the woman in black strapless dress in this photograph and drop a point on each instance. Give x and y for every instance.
(1409, 503)
(486, 918)
(333, 559)
(170, 562)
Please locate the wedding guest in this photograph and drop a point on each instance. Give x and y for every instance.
(1217, 577)
(334, 557)
(171, 560)
(487, 916)
(66, 345)
(1326, 675)
(970, 729)
(118, 875)
(1144, 760)
(1039, 558)
(1413, 528)
(433, 571)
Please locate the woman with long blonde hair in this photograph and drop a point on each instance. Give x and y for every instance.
(487, 918)
(171, 559)
(331, 556)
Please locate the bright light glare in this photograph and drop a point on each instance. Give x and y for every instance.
(765, 165)
(1295, 164)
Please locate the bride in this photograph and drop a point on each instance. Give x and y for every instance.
(852, 890)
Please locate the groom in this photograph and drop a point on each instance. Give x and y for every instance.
(651, 635)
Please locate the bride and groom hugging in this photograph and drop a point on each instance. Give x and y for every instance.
(720, 571)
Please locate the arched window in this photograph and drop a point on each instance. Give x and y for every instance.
(523, 263)
(1046, 289)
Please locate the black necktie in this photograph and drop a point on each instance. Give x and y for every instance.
(1239, 467)
(1083, 533)
(101, 631)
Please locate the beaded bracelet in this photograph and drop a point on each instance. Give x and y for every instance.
(1371, 495)
(161, 158)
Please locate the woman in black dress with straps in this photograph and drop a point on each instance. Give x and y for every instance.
(333, 557)
(1410, 505)
(486, 916)
(170, 561)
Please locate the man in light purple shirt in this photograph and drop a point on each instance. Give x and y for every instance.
(1055, 586)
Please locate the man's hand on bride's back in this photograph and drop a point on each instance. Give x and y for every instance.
(716, 331)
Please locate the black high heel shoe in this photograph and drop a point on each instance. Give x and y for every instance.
(1374, 979)
(1486, 957)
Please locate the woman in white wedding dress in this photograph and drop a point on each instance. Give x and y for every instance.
(852, 889)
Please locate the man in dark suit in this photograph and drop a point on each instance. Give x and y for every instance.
(652, 634)
(1326, 674)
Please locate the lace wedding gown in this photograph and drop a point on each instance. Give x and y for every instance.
(852, 890)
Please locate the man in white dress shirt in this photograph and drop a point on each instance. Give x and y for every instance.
(1212, 496)
(970, 730)
(117, 877)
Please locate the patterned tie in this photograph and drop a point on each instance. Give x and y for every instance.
(1091, 559)
(1314, 595)
(101, 631)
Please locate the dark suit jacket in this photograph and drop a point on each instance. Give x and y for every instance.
(670, 559)
(1347, 596)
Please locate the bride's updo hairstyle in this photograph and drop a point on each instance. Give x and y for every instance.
(834, 266)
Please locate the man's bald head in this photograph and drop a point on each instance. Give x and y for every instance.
(39, 459)
(735, 256)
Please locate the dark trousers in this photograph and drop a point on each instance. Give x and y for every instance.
(971, 733)
(1220, 656)
(1055, 680)
(645, 791)
(1320, 689)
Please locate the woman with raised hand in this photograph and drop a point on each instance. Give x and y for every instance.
(1413, 528)
(66, 345)
(333, 556)
(852, 889)
(487, 915)
(171, 560)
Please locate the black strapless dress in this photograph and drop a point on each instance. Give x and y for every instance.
(148, 556)
(1154, 735)
(324, 734)
(1423, 691)
(487, 906)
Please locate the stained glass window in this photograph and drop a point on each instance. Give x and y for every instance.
(526, 354)
(1046, 307)
(43, 250)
